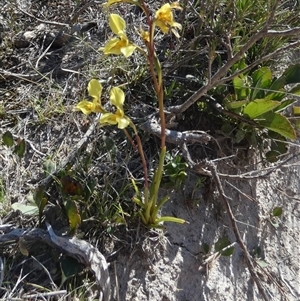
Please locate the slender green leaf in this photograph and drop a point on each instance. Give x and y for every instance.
(138, 202)
(170, 219)
(40, 200)
(276, 90)
(73, 215)
(262, 79)
(284, 104)
(295, 90)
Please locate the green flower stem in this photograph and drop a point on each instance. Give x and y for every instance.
(158, 86)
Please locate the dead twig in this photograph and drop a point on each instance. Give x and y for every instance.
(40, 20)
(49, 294)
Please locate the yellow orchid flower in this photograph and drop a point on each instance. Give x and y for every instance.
(145, 35)
(121, 44)
(164, 18)
(117, 98)
(95, 91)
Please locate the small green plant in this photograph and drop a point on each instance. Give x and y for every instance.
(147, 199)
(275, 215)
(19, 144)
(223, 247)
(258, 255)
(261, 97)
(175, 170)
(255, 104)
(35, 205)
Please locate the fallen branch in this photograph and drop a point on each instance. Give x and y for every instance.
(79, 249)
(175, 137)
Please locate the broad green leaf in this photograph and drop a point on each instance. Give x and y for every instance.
(222, 244)
(69, 267)
(8, 139)
(262, 79)
(20, 148)
(73, 215)
(261, 263)
(279, 124)
(259, 107)
(292, 74)
(26, 209)
(272, 156)
(277, 211)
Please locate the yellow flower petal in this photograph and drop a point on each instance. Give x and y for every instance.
(128, 50)
(117, 98)
(117, 24)
(123, 122)
(108, 118)
(113, 46)
(113, 119)
(88, 107)
(145, 35)
(163, 27)
(95, 89)
(119, 46)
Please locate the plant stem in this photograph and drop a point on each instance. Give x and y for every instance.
(139, 148)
